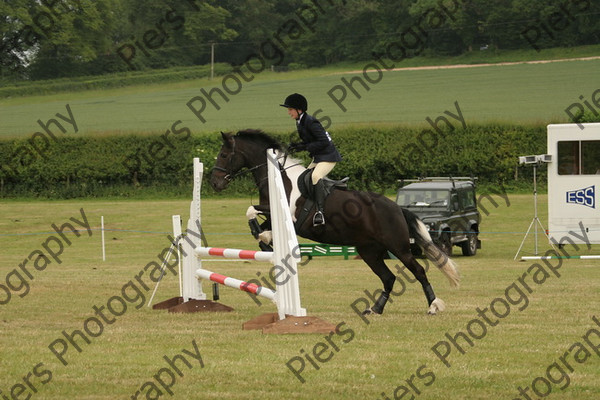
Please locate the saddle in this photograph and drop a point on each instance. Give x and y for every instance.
(307, 190)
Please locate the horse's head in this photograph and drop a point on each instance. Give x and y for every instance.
(246, 149)
(227, 164)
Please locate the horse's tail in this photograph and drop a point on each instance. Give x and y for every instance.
(419, 231)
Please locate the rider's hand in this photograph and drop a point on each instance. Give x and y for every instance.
(296, 147)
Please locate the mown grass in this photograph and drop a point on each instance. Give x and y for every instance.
(12, 88)
(518, 94)
(379, 358)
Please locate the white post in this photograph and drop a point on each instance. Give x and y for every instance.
(173, 249)
(177, 237)
(162, 271)
(286, 251)
(102, 234)
(192, 287)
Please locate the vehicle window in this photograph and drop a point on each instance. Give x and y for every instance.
(455, 204)
(466, 199)
(578, 157)
(423, 198)
(590, 160)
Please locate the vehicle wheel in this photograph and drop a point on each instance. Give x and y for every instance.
(469, 248)
(446, 244)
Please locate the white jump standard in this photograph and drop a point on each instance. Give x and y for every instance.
(285, 247)
(286, 251)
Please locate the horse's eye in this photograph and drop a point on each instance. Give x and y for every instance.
(223, 155)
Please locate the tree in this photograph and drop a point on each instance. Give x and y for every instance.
(14, 48)
(64, 38)
(75, 34)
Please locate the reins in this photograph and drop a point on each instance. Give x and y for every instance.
(231, 176)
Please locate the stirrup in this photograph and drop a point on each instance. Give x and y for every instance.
(318, 219)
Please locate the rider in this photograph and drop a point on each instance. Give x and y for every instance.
(318, 143)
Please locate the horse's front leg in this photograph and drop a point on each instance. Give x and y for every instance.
(261, 232)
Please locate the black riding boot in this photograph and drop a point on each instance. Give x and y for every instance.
(319, 218)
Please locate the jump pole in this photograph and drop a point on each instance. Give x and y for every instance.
(236, 284)
(524, 258)
(235, 254)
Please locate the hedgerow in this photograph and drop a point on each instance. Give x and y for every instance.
(375, 158)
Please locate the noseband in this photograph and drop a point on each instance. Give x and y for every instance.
(229, 176)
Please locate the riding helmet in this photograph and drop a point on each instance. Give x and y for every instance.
(296, 101)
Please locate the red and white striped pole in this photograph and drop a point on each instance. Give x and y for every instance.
(236, 284)
(234, 253)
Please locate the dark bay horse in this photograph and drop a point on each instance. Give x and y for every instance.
(372, 223)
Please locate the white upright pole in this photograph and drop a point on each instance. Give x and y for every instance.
(173, 249)
(192, 287)
(177, 235)
(102, 234)
(162, 270)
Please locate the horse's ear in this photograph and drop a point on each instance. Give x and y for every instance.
(227, 139)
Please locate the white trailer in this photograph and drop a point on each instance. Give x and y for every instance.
(574, 182)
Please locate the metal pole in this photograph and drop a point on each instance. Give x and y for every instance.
(535, 213)
(535, 221)
(212, 60)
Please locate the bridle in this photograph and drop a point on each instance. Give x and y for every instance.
(229, 176)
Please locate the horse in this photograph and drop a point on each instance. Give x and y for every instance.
(370, 222)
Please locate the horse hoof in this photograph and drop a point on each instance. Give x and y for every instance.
(266, 236)
(370, 311)
(436, 305)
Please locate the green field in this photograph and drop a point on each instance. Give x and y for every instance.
(540, 338)
(524, 93)
(381, 357)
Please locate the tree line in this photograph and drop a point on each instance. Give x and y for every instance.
(42, 39)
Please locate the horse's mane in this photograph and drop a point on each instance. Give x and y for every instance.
(258, 136)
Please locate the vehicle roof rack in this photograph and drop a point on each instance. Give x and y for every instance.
(452, 179)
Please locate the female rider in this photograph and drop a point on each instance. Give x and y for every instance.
(318, 143)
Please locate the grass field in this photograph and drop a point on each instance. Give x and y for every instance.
(537, 344)
(390, 356)
(523, 93)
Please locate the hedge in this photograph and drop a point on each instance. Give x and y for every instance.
(374, 159)
(115, 80)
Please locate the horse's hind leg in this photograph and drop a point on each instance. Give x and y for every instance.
(435, 304)
(373, 255)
